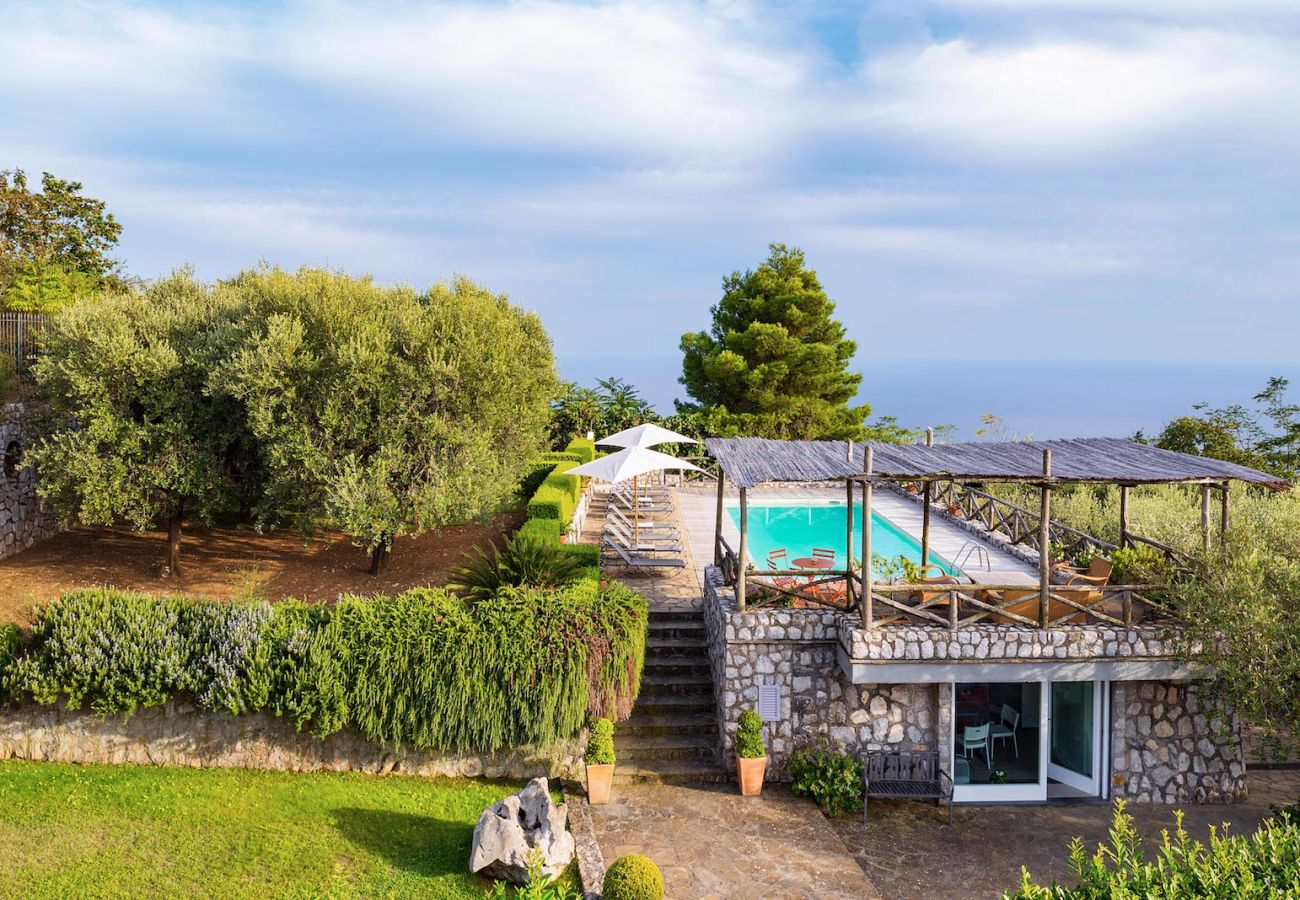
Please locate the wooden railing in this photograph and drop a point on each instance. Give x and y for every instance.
(1019, 525)
(933, 604)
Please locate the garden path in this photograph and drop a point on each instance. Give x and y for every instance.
(713, 844)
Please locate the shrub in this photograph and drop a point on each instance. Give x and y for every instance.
(557, 496)
(545, 529)
(833, 780)
(1264, 865)
(582, 448)
(587, 555)
(525, 561)
(10, 638)
(633, 877)
(600, 745)
(749, 736)
(419, 669)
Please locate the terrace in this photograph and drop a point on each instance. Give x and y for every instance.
(978, 532)
(1031, 678)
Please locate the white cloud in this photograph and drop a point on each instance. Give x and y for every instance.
(1057, 101)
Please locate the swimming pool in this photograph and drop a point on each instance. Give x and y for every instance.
(799, 527)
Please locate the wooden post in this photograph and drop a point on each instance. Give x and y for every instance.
(743, 552)
(717, 530)
(848, 537)
(1205, 517)
(1123, 515)
(868, 574)
(1045, 543)
(927, 497)
(1223, 516)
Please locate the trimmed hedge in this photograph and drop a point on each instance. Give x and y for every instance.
(557, 496)
(582, 448)
(419, 669)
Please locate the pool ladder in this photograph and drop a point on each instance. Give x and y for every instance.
(972, 550)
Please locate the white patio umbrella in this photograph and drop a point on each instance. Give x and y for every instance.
(631, 463)
(645, 436)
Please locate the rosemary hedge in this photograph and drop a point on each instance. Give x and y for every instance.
(419, 669)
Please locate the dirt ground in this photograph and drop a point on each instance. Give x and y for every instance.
(228, 562)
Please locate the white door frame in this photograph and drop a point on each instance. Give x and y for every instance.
(1093, 785)
(1037, 791)
(993, 793)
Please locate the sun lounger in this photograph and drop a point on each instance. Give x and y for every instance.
(659, 527)
(643, 543)
(645, 562)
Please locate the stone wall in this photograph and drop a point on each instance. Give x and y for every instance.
(178, 734)
(23, 518)
(797, 650)
(1164, 747)
(1169, 745)
(994, 643)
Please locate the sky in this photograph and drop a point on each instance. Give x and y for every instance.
(1081, 215)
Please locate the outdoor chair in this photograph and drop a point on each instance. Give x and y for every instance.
(976, 737)
(823, 553)
(778, 559)
(1098, 567)
(643, 544)
(905, 775)
(643, 562)
(1006, 726)
(933, 598)
(645, 524)
(1025, 603)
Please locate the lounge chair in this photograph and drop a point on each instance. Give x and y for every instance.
(643, 544)
(644, 524)
(645, 562)
(933, 598)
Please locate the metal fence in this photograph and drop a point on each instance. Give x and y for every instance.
(20, 337)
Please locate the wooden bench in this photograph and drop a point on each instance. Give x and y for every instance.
(905, 775)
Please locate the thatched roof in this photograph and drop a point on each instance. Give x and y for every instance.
(747, 462)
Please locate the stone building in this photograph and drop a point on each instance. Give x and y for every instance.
(1031, 680)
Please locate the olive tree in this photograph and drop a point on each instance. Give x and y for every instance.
(135, 435)
(384, 410)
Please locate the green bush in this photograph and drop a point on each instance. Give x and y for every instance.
(526, 560)
(558, 495)
(546, 529)
(600, 744)
(588, 555)
(749, 736)
(582, 448)
(419, 669)
(1264, 865)
(533, 478)
(634, 877)
(833, 780)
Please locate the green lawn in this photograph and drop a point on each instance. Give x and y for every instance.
(126, 831)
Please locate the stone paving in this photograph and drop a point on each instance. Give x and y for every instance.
(908, 851)
(713, 844)
(665, 589)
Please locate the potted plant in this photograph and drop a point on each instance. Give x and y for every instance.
(751, 755)
(600, 761)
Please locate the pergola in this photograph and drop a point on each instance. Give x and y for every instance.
(749, 462)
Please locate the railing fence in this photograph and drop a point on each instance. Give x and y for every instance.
(20, 337)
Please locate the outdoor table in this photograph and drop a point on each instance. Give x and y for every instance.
(812, 562)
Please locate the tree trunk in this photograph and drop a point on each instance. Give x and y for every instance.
(379, 556)
(174, 540)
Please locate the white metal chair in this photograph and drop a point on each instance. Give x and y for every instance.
(1006, 726)
(976, 737)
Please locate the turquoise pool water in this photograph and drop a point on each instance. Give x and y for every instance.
(798, 528)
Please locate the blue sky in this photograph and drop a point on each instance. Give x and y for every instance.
(998, 180)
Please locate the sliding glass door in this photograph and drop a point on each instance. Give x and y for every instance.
(1075, 757)
(1026, 741)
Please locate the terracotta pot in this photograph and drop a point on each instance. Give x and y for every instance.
(599, 779)
(750, 773)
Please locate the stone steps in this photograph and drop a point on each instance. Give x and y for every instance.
(672, 735)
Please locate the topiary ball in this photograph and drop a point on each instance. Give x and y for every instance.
(634, 877)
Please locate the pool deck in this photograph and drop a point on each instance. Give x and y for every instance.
(697, 504)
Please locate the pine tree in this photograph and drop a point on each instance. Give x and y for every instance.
(774, 363)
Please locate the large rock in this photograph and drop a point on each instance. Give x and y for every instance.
(509, 830)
